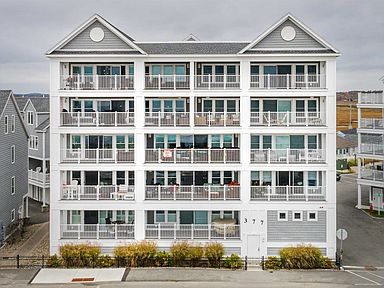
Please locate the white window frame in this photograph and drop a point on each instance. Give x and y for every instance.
(13, 154)
(13, 215)
(316, 216)
(295, 212)
(33, 142)
(13, 123)
(6, 124)
(280, 219)
(13, 185)
(30, 118)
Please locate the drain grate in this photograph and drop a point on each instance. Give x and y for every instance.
(83, 279)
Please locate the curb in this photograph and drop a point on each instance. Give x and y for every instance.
(362, 268)
(373, 217)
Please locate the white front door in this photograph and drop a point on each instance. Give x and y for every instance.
(253, 246)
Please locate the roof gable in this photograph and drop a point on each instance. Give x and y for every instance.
(96, 34)
(288, 34)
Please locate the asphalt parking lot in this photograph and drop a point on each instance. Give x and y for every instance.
(365, 243)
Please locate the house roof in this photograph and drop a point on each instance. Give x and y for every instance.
(40, 103)
(43, 125)
(4, 95)
(341, 142)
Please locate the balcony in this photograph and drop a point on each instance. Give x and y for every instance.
(38, 178)
(288, 193)
(192, 231)
(217, 119)
(372, 174)
(217, 82)
(96, 119)
(371, 123)
(96, 82)
(97, 231)
(176, 155)
(287, 119)
(97, 192)
(167, 82)
(97, 155)
(207, 192)
(372, 149)
(287, 156)
(371, 98)
(288, 81)
(166, 119)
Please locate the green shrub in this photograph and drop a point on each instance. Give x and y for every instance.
(105, 261)
(195, 254)
(79, 255)
(233, 262)
(180, 251)
(138, 254)
(273, 263)
(163, 259)
(351, 162)
(54, 261)
(214, 252)
(302, 257)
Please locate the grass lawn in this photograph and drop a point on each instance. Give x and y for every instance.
(374, 213)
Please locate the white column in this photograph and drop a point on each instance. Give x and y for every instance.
(139, 224)
(192, 97)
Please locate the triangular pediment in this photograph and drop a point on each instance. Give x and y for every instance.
(97, 34)
(288, 34)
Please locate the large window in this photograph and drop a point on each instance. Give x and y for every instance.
(30, 118)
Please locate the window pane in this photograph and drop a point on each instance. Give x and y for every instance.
(312, 178)
(180, 106)
(219, 69)
(180, 70)
(159, 140)
(297, 141)
(160, 216)
(300, 107)
(231, 70)
(312, 69)
(88, 70)
(168, 70)
(168, 105)
(299, 69)
(215, 216)
(172, 216)
(254, 105)
(207, 70)
(156, 69)
(312, 105)
(267, 142)
(219, 105)
(231, 105)
(156, 106)
(312, 142)
(255, 70)
(255, 144)
(201, 217)
(215, 141)
(120, 142)
(270, 70)
(76, 106)
(207, 105)
(227, 140)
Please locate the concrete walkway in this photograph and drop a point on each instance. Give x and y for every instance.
(33, 241)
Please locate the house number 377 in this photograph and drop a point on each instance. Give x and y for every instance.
(253, 221)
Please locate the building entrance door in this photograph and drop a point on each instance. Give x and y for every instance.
(253, 246)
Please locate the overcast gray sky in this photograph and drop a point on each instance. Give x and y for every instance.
(30, 27)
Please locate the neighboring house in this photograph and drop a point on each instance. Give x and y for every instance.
(346, 148)
(232, 142)
(35, 111)
(371, 150)
(13, 163)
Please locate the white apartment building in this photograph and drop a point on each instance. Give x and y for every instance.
(370, 151)
(227, 141)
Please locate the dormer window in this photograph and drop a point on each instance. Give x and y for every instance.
(30, 118)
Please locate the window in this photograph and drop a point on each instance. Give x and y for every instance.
(171, 141)
(227, 177)
(282, 216)
(227, 141)
(171, 177)
(13, 154)
(13, 124)
(30, 118)
(6, 124)
(120, 177)
(76, 217)
(76, 142)
(120, 141)
(120, 215)
(297, 216)
(312, 142)
(159, 178)
(33, 142)
(172, 216)
(159, 140)
(267, 142)
(215, 216)
(76, 176)
(255, 142)
(160, 217)
(312, 216)
(216, 177)
(131, 178)
(215, 141)
(254, 69)
(312, 178)
(13, 185)
(13, 215)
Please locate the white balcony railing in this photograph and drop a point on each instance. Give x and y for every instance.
(287, 118)
(95, 119)
(38, 177)
(97, 192)
(217, 82)
(167, 119)
(372, 123)
(288, 193)
(288, 81)
(192, 231)
(371, 98)
(177, 155)
(288, 156)
(217, 119)
(371, 174)
(96, 82)
(176, 192)
(97, 155)
(372, 148)
(166, 82)
(97, 231)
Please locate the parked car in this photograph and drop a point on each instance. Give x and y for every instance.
(338, 176)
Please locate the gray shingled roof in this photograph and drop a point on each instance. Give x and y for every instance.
(317, 51)
(40, 103)
(43, 125)
(81, 52)
(192, 47)
(4, 94)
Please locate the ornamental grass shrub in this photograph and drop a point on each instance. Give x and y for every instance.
(138, 254)
(304, 257)
(180, 252)
(79, 255)
(214, 252)
(195, 254)
(233, 262)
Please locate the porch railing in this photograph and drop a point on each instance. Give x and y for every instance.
(372, 174)
(192, 231)
(176, 192)
(372, 148)
(97, 82)
(217, 119)
(288, 193)
(288, 81)
(38, 176)
(166, 82)
(167, 119)
(372, 123)
(97, 192)
(193, 155)
(217, 82)
(371, 98)
(95, 119)
(97, 231)
(288, 156)
(287, 118)
(97, 155)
